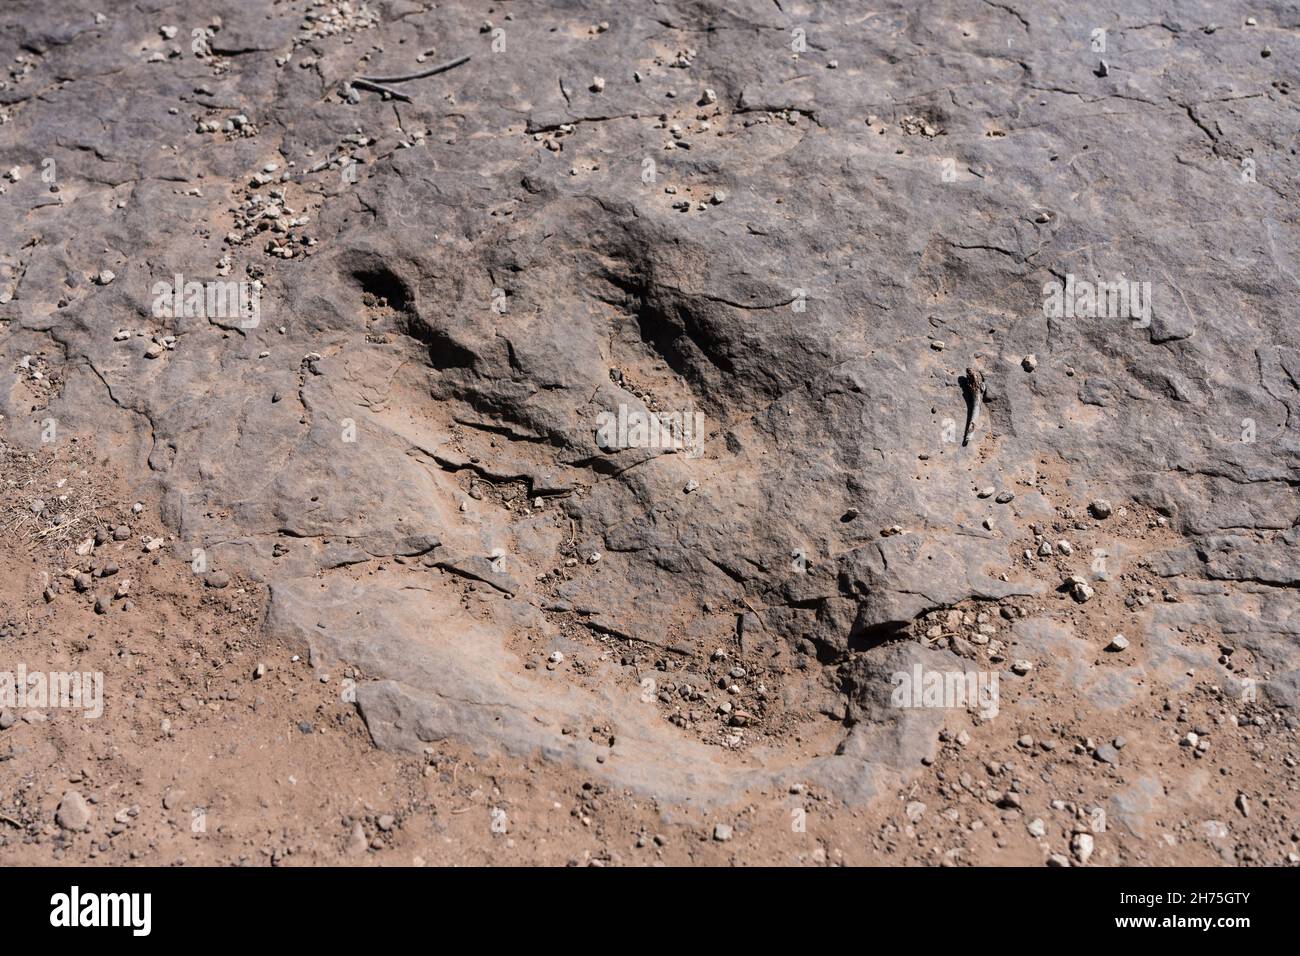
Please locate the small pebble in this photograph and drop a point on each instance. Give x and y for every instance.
(73, 813)
(1100, 508)
(1082, 845)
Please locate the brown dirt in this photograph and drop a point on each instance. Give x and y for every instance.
(198, 761)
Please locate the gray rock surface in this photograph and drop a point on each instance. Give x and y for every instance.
(507, 259)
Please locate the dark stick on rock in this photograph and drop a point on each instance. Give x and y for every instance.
(364, 84)
(973, 385)
(440, 68)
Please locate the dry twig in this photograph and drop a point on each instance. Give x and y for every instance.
(440, 68)
(364, 84)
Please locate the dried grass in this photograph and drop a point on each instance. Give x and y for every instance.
(26, 477)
